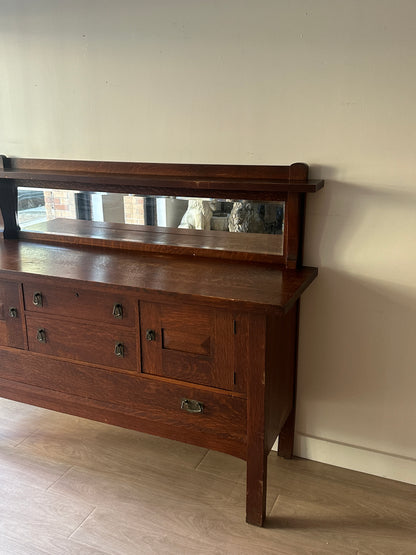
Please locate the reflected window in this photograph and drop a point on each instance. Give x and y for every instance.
(214, 222)
(238, 216)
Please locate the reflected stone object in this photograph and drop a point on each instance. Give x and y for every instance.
(245, 218)
(212, 219)
(198, 214)
(219, 221)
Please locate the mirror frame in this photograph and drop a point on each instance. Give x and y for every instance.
(280, 183)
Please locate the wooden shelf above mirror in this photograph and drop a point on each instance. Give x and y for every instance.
(255, 184)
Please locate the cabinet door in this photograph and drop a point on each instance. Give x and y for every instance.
(188, 342)
(11, 315)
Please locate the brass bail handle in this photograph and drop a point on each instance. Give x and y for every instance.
(194, 407)
(118, 311)
(37, 299)
(119, 350)
(41, 335)
(13, 312)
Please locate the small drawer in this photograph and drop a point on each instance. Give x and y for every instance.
(11, 316)
(103, 345)
(78, 302)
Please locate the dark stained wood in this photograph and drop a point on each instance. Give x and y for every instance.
(294, 223)
(80, 302)
(241, 369)
(177, 186)
(218, 282)
(77, 340)
(298, 172)
(190, 344)
(288, 183)
(8, 207)
(138, 402)
(216, 244)
(281, 347)
(287, 431)
(84, 174)
(200, 329)
(256, 399)
(151, 169)
(12, 328)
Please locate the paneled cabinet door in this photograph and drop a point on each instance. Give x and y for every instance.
(11, 315)
(188, 343)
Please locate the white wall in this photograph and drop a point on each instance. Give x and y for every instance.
(328, 82)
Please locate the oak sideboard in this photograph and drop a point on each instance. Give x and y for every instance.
(189, 334)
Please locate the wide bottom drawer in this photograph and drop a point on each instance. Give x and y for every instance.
(168, 409)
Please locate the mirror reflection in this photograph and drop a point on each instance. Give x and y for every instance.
(240, 216)
(37, 206)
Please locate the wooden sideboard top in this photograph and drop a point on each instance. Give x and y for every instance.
(220, 282)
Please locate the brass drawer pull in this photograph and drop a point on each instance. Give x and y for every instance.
(150, 335)
(194, 407)
(37, 299)
(119, 350)
(118, 311)
(13, 312)
(41, 335)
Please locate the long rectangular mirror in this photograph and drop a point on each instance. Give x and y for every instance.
(216, 218)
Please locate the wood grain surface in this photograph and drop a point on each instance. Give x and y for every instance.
(214, 244)
(133, 177)
(219, 282)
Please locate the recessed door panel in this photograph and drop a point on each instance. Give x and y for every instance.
(191, 343)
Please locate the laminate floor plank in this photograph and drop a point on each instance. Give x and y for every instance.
(359, 529)
(46, 545)
(93, 444)
(23, 468)
(148, 486)
(76, 487)
(186, 531)
(353, 491)
(13, 547)
(28, 513)
(223, 465)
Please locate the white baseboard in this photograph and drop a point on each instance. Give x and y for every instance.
(377, 463)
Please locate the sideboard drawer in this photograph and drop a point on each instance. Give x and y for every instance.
(104, 345)
(11, 315)
(157, 404)
(78, 302)
(194, 410)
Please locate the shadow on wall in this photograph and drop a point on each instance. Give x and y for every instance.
(357, 357)
(372, 227)
(357, 363)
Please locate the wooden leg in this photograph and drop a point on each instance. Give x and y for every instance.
(256, 489)
(287, 433)
(256, 430)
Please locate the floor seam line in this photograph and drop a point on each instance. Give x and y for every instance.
(59, 478)
(82, 523)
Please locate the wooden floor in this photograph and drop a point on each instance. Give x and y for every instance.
(68, 485)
